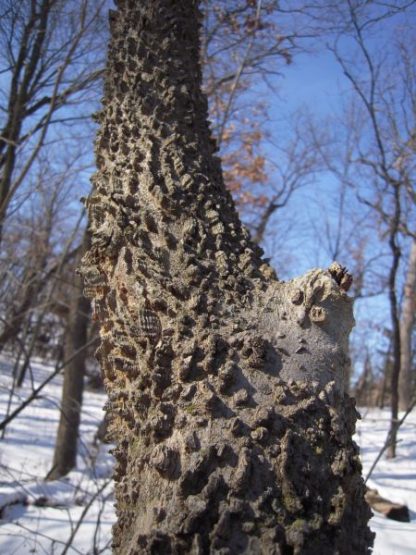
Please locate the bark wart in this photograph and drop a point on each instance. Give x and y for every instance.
(225, 385)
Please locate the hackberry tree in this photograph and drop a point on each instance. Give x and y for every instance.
(226, 386)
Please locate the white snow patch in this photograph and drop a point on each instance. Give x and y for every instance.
(394, 479)
(44, 517)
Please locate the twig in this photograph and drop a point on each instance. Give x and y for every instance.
(45, 536)
(84, 512)
(96, 541)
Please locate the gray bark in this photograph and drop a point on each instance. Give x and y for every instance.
(406, 391)
(226, 386)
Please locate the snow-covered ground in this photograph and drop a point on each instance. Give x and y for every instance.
(74, 515)
(394, 479)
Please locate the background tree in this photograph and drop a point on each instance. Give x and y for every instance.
(47, 68)
(375, 164)
(51, 72)
(75, 352)
(380, 161)
(51, 79)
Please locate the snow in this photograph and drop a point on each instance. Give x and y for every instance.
(74, 515)
(47, 516)
(394, 479)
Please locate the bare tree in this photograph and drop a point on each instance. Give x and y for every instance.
(61, 100)
(50, 69)
(379, 162)
(29, 262)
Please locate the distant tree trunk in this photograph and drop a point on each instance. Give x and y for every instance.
(383, 385)
(76, 337)
(226, 386)
(395, 324)
(406, 327)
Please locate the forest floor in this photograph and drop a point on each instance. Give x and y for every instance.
(75, 515)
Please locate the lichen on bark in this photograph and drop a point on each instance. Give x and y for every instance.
(225, 385)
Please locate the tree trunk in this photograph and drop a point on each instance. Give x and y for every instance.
(363, 391)
(395, 326)
(384, 386)
(406, 390)
(76, 337)
(225, 385)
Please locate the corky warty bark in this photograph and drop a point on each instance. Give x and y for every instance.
(225, 385)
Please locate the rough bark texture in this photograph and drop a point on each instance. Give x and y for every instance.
(65, 453)
(225, 386)
(407, 320)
